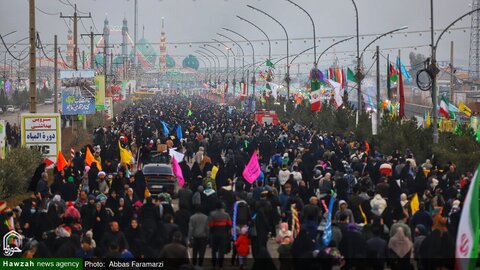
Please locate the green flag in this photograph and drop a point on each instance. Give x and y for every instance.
(351, 75)
(269, 64)
(189, 113)
(393, 74)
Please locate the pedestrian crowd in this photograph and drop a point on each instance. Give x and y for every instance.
(389, 207)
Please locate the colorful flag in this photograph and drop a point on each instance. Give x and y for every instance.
(351, 75)
(404, 71)
(189, 113)
(125, 155)
(327, 229)
(177, 171)
(179, 132)
(269, 64)
(428, 120)
(466, 248)
(464, 109)
(252, 170)
(393, 73)
(444, 109)
(338, 75)
(61, 162)
(401, 112)
(415, 204)
(337, 93)
(165, 128)
(315, 100)
(214, 172)
(89, 159)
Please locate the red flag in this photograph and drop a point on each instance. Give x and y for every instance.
(401, 113)
(48, 162)
(343, 78)
(61, 162)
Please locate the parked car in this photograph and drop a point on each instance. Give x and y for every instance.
(160, 178)
(48, 101)
(10, 108)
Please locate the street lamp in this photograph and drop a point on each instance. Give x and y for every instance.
(359, 86)
(359, 76)
(205, 64)
(433, 70)
(263, 32)
(314, 35)
(242, 82)
(329, 47)
(234, 64)
(208, 57)
(218, 60)
(253, 56)
(225, 88)
(287, 75)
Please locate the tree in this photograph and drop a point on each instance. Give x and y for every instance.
(416, 63)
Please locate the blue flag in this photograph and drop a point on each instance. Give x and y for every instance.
(165, 128)
(372, 105)
(179, 132)
(405, 73)
(327, 230)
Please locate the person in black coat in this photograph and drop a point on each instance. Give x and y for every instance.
(68, 190)
(185, 199)
(36, 177)
(136, 239)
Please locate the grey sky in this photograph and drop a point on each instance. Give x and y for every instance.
(200, 20)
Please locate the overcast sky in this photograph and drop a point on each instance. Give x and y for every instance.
(196, 21)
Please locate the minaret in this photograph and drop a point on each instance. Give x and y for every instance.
(70, 47)
(163, 49)
(124, 39)
(106, 37)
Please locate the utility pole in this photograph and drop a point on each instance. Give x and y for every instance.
(434, 79)
(135, 23)
(75, 18)
(451, 73)
(92, 47)
(83, 59)
(378, 90)
(55, 70)
(32, 66)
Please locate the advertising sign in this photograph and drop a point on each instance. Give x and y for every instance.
(100, 92)
(43, 133)
(78, 92)
(109, 108)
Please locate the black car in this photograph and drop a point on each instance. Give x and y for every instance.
(160, 178)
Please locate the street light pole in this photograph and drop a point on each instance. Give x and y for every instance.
(253, 57)
(234, 64)
(210, 63)
(218, 60)
(287, 75)
(314, 35)
(359, 71)
(243, 58)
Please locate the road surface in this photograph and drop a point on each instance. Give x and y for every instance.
(15, 116)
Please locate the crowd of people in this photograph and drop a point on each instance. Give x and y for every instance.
(387, 206)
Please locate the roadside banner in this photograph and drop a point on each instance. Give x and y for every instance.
(43, 133)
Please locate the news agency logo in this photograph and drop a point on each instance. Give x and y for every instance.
(12, 243)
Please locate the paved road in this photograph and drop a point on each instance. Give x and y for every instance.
(15, 117)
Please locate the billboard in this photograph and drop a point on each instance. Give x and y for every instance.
(78, 92)
(100, 92)
(109, 108)
(43, 133)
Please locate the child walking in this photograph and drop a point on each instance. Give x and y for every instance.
(243, 247)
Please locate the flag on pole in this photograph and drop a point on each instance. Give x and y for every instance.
(125, 155)
(393, 73)
(404, 72)
(252, 170)
(214, 172)
(327, 229)
(351, 75)
(177, 171)
(165, 128)
(464, 109)
(179, 132)
(415, 204)
(466, 248)
(315, 100)
(401, 112)
(189, 113)
(270, 64)
(389, 93)
(89, 159)
(444, 109)
(61, 162)
(337, 92)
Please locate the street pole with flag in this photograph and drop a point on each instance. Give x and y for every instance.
(466, 248)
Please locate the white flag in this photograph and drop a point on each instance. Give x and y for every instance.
(338, 92)
(466, 247)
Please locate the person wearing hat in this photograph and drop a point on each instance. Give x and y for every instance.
(343, 209)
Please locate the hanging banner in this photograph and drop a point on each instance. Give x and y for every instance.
(3, 139)
(78, 92)
(43, 133)
(115, 92)
(474, 123)
(447, 125)
(109, 108)
(100, 92)
(124, 90)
